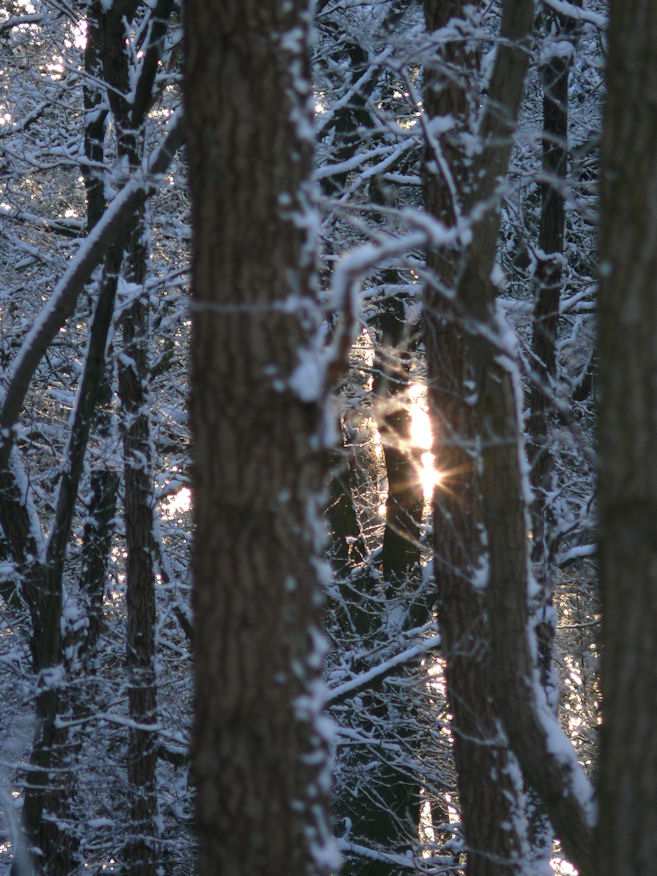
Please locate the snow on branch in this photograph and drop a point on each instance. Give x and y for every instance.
(19, 21)
(65, 295)
(342, 691)
(579, 552)
(320, 366)
(577, 13)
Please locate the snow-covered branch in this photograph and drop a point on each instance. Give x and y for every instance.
(65, 295)
(342, 691)
(577, 13)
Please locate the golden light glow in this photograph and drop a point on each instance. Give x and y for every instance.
(422, 438)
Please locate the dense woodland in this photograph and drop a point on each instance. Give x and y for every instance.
(299, 402)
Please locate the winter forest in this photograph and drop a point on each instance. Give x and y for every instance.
(328, 426)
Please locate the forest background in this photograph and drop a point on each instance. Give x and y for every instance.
(441, 363)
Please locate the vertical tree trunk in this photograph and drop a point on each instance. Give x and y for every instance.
(384, 810)
(489, 789)
(404, 503)
(257, 752)
(140, 852)
(627, 837)
(545, 326)
(544, 754)
(98, 530)
(95, 116)
(554, 76)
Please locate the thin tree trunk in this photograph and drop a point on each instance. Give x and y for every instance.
(555, 76)
(98, 530)
(140, 852)
(557, 30)
(401, 537)
(546, 757)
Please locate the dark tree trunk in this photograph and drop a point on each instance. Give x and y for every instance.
(401, 537)
(557, 30)
(626, 842)
(140, 853)
(258, 464)
(95, 117)
(554, 76)
(490, 796)
(547, 760)
(98, 530)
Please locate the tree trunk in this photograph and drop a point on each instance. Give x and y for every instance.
(401, 538)
(258, 753)
(489, 789)
(140, 852)
(626, 842)
(557, 30)
(545, 324)
(547, 760)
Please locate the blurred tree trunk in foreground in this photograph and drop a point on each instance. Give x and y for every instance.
(627, 837)
(258, 757)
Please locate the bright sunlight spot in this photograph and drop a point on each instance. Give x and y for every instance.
(422, 438)
(178, 503)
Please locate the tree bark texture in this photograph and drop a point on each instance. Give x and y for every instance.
(258, 756)
(530, 725)
(490, 796)
(549, 766)
(626, 842)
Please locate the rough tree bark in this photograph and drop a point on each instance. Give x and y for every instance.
(547, 760)
(489, 791)
(258, 463)
(626, 842)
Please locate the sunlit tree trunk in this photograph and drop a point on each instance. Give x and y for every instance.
(385, 809)
(626, 841)
(392, 359)
(258, 463)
